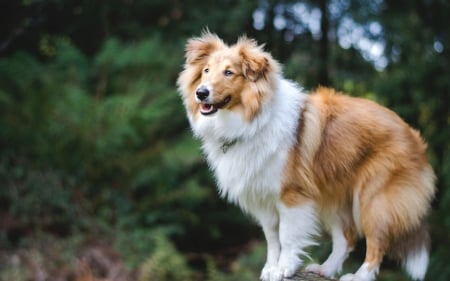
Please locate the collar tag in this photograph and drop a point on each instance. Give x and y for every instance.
(227, 145)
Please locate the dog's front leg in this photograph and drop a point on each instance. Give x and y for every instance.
(270, 226)
(298, 226)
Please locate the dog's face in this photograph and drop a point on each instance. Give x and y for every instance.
(231, 78)
(221, 82)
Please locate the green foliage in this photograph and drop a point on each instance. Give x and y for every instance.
(165, 263)
(74, 129)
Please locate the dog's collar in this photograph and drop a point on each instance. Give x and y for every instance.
(227, 144)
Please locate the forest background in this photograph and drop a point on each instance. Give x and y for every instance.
(100, 178)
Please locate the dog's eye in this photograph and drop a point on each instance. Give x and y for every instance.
(206, 70)
(228, 73)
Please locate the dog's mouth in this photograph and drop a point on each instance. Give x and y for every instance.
(211, 108)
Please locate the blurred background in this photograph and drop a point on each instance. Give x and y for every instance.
(100, 178)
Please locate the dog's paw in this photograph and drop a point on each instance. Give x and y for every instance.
(363, 274)
(270, 274)
(287, 272)
(315, 268)
(349, 277)
(276, 273)
(266, 272)
(320, 269)
(353, 277)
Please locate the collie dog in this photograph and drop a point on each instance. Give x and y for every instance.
(297, 161)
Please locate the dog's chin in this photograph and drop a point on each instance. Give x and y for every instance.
(211, 108)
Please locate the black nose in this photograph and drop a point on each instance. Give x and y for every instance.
(202, 93)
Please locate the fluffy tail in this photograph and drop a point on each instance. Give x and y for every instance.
(413, 252)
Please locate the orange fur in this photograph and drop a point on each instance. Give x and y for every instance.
(348, 144)
(245, 59)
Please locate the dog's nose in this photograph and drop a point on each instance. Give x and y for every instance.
(202, 93)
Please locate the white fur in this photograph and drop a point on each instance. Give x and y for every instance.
(270, 225)
(339, 254)
(298, 226)
(250, 172)
(287, 239)
(363, 274)
(416, 263)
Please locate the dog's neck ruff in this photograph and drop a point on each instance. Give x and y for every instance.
(248, 157)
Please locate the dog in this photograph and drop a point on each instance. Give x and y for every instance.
(300, 162)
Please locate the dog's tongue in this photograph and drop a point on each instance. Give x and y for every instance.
(206, 108)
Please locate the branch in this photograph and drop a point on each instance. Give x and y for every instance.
(308, 276)
(27, 23)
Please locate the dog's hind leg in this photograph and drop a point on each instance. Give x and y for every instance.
(342, 245)
(369, 269)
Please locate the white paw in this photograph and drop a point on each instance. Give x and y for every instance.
(315, 268)
(351, 277)
(363, 274)
(321, 269)
(271, 274)
(288, 265)
(276, 273)
(288, 271)
(348, 277)
(266, 272)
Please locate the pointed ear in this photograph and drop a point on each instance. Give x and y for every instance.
(199, 48)
(256, 63)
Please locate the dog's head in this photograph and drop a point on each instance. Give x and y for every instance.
(220, 77)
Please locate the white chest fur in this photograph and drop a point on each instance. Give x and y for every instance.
(249, 170)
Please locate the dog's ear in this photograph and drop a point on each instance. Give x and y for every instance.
(256, 63)
(199, 48)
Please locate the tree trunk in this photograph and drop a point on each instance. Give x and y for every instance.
(324, 49)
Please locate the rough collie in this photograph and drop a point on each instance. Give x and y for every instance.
(297, 161)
